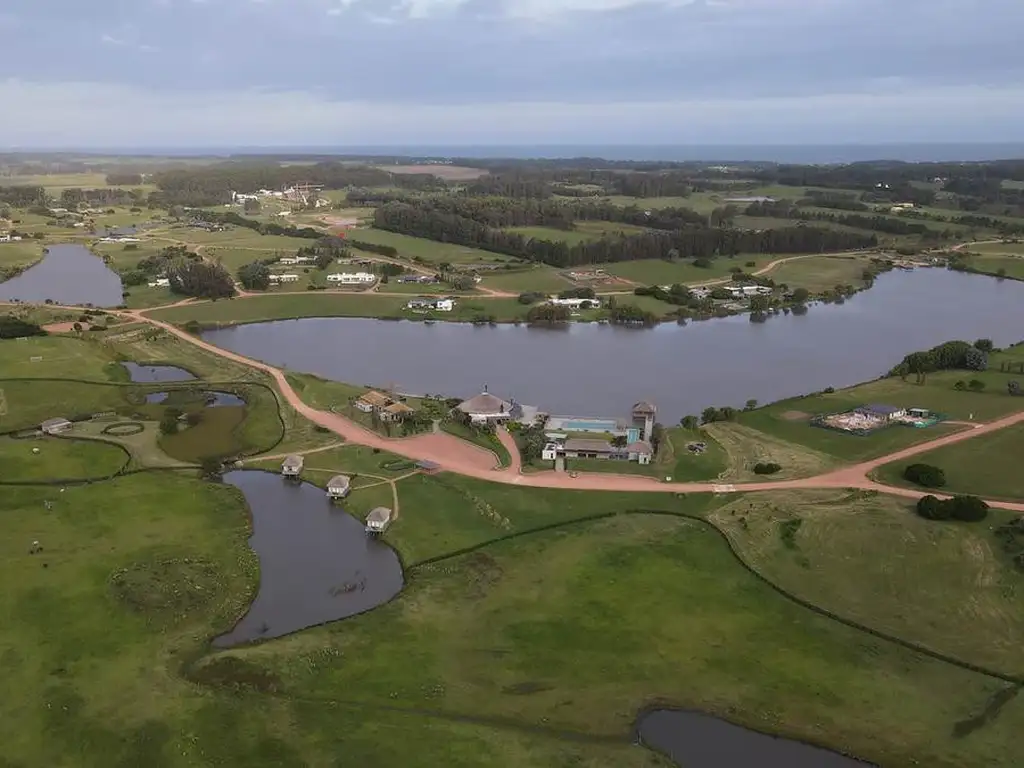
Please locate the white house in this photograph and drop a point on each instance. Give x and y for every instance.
(352, 278)
(287, 277)
(9, 238)
(575, 303)
(160, 282)
(295, 260)
(55, 426)
(422, 304)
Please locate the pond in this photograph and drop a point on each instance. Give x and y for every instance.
(214, 399)
(68, 274)
(316, 562)
(148, 374)
(696, 740)
(601, 370)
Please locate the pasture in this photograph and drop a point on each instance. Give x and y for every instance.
(428, 250)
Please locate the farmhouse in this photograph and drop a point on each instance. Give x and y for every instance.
(160, 282)
(295, 260)
(338, 487)
(287, 277)
(55, 426)
(352, 278)
(395, 412)
(371, 401)
(292, 466)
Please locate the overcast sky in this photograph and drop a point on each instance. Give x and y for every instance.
(182, 73)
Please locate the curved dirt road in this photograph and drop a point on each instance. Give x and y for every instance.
(460, 457)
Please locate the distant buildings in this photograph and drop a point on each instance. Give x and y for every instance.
(352, 278)
(440, 304)
(386, 407)
(575, 303)
(287, 277)
(160, 282)
(55, 426)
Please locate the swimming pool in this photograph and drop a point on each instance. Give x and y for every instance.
(588, 425)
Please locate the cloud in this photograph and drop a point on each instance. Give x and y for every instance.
(98, 115)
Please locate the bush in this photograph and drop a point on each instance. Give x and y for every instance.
(925, 475)
(967, 509)
(766, 468)
(193, 326)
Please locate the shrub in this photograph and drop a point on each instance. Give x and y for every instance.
(193, 326)
(766, 468)
(925, 475)
(931, 508)
(967, 509)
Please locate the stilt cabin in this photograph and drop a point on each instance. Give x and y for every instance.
(291, 466)
(378, 520)
(338, 487)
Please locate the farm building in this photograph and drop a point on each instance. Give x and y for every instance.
(338, 487)
(55, 426)
(885, 412)
(395, 412)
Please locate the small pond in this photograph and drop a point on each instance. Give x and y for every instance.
(68, 274)
(695, 740)
(213, 399)
(316, 562)
(155, 373)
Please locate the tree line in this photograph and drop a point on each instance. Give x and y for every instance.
(696, 242)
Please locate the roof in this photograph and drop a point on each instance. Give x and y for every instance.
(59, 421)
(292, 461)
(640, 446)
(338, 481)
(644, 407)
(375, 398)
(485, 403)
(398, 408)
(428, 465)
(588, 446)
(379, 515)
(882, 409)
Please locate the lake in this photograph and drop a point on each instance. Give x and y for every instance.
(601, 370)
(316, 562)
(68, 274)
(695, 740)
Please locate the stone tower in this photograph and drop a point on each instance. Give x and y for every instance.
(643, 418)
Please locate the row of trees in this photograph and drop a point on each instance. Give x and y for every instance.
(951, 355)
(425, 222)
(967, 509)
(263, 227)
(12, 327)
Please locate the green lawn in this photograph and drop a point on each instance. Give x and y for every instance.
(870, 558)
(821, 273)
(16, 256)
(986, 466)
(61, 356)
(428, 250)
(28, 403)
(1008, 264)
(660, 272)
(57, 459)
(541, 279)
(598, 619)
(675, 461)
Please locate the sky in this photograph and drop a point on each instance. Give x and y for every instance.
(205, 73)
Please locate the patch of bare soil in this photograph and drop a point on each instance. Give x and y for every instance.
(59, 327)
(796, 416)
(446, 172)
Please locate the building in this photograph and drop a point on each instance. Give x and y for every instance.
(746, 291)
(55, 426)
(486, 408)
(372, 401)
(643, 414)
(352, 278)
(295, 260)
(419, 279)
(639, 451)
(160, 282)
(395, 412)
(338, 487)
(292, 466)
(575, 303)
(287, 277)
(884, 412)
(425, 304)
(378, 520)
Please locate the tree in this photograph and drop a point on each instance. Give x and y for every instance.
(200, 279)
(931, 508)
(12, 327)
(925, 475)
(77, 327)
(800, 295)
(709, 415)
(985, 345)
(751, 405)
(210, 467)
(960, 386)
(976, 385)
(1013, 387)
(975, 359)
(548, 314)
(252, 206)
(619, 441)
(968, 509)
(169, 421)
(254, 276)
(689, 422)
(463, 283)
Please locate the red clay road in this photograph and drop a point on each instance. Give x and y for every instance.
(460, 457)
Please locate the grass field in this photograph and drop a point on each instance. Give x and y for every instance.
(315, 304)
(55, 183)
(675, 461)
(870, 558)
(428, 250)
(57, 459)
(485, 440)
(581, 233)
(659, 272)
(787, 420)
(19, 255)
(60, 356)
(986, 466)
(542, 279)
(821, 273)
(1008, 264)
(578, 618)
(745, 447)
